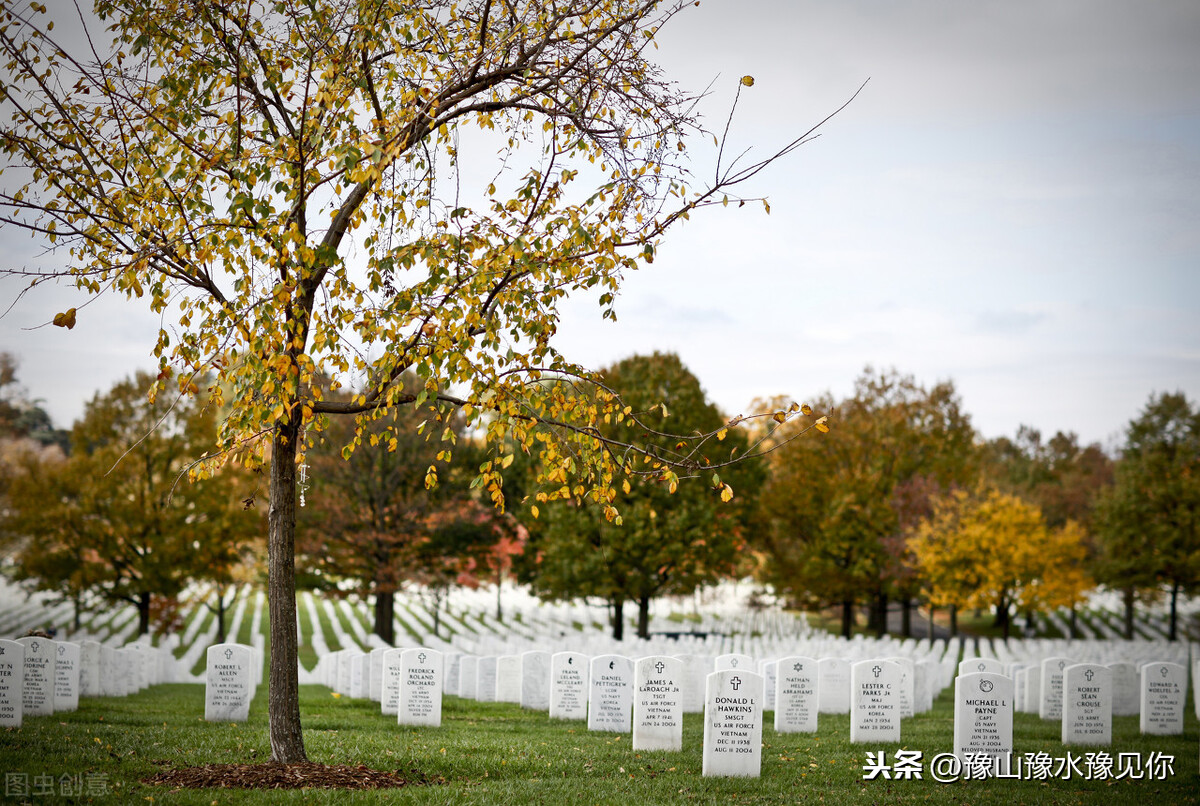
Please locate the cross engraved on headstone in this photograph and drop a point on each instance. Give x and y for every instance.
(876, 670)
(733, 662)
(1162, 670)
(62, 650)
(658, 667)
(421, 657)
(34, 646)
(1, 650)
(1061, 664)
(1089, 674)
(982, 667)
(228, 654)
(736, 682)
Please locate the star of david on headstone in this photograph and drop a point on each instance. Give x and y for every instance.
(799, 667)
(985, 685)
(876, 670)
(658, 667)
(1162, 670)
(228, 654)
(1089, 674)
(421, 657)
(736, 682)
(34, 646)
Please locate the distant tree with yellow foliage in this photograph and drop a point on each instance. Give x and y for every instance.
(991, 549)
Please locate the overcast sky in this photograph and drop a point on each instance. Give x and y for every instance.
(1012, 203)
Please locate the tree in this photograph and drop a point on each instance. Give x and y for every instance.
(368, 514)
(834, 510)
(285, 179)
(113, 519)
(666, 543)
(1149, 521)
(991, 549)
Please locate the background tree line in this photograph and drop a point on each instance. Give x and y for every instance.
(899, 503)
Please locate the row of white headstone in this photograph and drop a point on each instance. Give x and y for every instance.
(40, 676)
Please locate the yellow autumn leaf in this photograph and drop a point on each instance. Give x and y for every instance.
(806, 410)
(821, 426)
(779, 416)
(726, 493)
(747, 81)
(65, 319)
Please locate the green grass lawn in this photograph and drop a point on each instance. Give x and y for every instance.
(497, 753)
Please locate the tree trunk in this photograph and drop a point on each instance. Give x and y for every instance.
(1074, 622)
(881, 615)
(930, 633)
(618, 618)
(220, 616)
(385, 612)
(143, 606)
(283, 693)
(1173, 633)
(1004, 617)
(953, 621)
(847, 617)
(643, 628)
(906, 616)
(1127, 595)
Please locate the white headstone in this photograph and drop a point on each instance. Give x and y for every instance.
(833, 685)
(907, 690)
(389, 689)
(972, 665)
(1087, 704)
(1033, 689)
(1127, 688)
(797, 696)
(38, 694)
(1163, 691)
(89, 669)
(733, 719)
(227, 686)
(535, 680)
(66, 677)
(359, 674)
(468, 676)
(420, 688)
(485, 680)
(110, 669)
(875, 701)
(658, 704)
(453, 663)
(983, 718)
(610, 695)
(1052, 687)
(767, 669)
(12, 683)
(375, 667)
(925, 678)
(696, 669)
(508, 678)
(569, 685)
(734, 660)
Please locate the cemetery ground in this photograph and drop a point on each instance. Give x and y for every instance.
(499, 753)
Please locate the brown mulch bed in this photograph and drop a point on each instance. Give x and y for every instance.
(272, 775)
